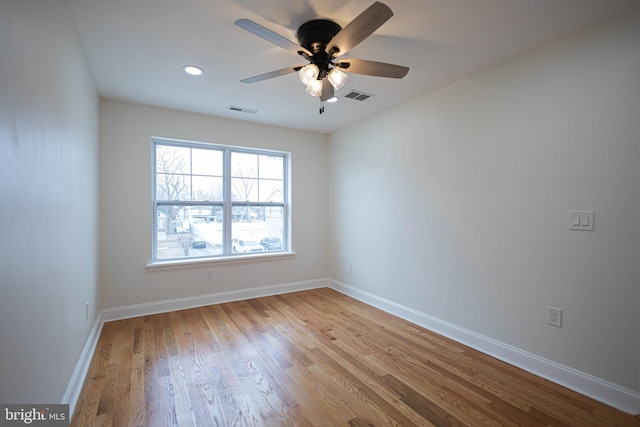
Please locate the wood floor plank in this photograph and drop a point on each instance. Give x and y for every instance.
(312, 358)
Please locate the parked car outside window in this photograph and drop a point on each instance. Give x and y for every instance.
(271, 244)
(197, 243)
(243, 246)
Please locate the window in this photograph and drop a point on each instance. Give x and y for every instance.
(213, 200)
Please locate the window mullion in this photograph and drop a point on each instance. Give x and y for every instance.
(226, 227)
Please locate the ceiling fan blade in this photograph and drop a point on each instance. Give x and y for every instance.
(327, 90)
(271, 74)
(373, 68)
(359, 29)
(270, 36)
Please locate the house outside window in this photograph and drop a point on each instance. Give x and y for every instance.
(213, 200)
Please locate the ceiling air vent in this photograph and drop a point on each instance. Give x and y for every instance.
(358, 95)
(241, 109)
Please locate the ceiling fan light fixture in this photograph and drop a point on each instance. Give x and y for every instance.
(333, 99)
(314, 88)
(309, 73)
(337, 78)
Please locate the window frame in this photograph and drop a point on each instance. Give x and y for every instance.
(226, 203)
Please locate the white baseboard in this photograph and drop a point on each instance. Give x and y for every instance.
(72, 393)
(604, 391)
(165, 306)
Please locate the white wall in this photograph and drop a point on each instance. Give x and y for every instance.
(456, 203)
(125, 200)
(48, 201)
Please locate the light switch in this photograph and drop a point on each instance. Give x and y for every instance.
(581, 220)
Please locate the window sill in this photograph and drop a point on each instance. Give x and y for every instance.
(203, 262)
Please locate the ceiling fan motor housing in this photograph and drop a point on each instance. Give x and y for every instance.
(314, 36)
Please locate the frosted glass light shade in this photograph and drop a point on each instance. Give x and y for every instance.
(314, 88)
(337, 78)
(308, 73)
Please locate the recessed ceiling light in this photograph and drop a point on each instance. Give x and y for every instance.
(193, 70)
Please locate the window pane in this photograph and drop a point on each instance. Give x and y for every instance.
(173, 160)
(188, 231)
(207, 188)
(172, 169)
(271, 167)
(244, 189)
(271, 191)
(244, 165)
(206, 162)
(172, 187)
(257, 229)
(274, 220)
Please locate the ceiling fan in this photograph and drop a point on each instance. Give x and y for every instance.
(322, 42)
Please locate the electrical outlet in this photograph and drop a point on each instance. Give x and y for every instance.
(349, 268)
(554, 316)
(208, 275)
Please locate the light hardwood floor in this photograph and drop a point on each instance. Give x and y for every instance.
(312, 358)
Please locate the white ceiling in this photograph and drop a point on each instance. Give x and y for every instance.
(136, 50)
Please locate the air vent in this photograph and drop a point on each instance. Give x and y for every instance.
(358, 95)
(241, 109)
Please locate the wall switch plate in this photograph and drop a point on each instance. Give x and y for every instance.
(554, 316)
(581, 220)
(208, 275)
